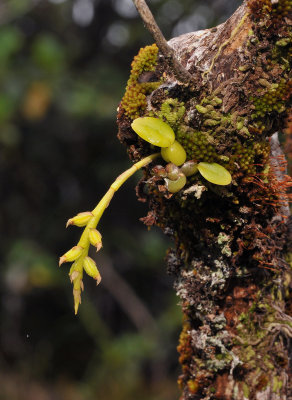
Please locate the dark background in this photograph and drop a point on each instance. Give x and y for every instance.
(63, 69)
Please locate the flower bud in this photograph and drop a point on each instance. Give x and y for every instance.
(91, 269)
(95, 238)
(71, 255)
(80, 219)
(74, 275)
(77, 299)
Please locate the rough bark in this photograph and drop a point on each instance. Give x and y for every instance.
(231, 261)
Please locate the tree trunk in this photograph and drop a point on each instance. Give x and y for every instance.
(232, 261)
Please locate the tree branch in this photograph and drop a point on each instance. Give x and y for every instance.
(179, 71)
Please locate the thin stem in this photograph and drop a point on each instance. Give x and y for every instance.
(179, 71)
(104, 202)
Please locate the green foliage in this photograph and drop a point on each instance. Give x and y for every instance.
(273, 100)
(154, 131)
(172, 112)
(214, 173)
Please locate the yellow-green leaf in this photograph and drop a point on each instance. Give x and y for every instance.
(154, 131)
(214, 173)
(174, 153)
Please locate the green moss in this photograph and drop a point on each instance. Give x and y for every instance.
(172, 112)
(277, 384)
(196, 144)
(268, 364)
(283, 42)
(244, 68)
(201, 109)
(249, 156)
(211, 122)
(245, 390)
(214, 101)
(249, 353)
(273, 100)
(134, 100)
(274, 11)
(239, 125)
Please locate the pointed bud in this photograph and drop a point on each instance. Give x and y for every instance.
(74, 275)
(91, 269)
(95, 238)
(80, 219)
(77, 299)
(71, 255)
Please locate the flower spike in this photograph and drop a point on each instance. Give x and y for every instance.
(89, 220)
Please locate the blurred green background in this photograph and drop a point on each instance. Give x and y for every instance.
(63, 69)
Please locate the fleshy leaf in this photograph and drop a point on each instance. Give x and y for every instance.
(154, 131)
(214, 173)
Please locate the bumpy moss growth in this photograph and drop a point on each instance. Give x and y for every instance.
(134, 100)
(275, 11)
(196, 145)
(171, 111)
(248, 157)
(274, 100)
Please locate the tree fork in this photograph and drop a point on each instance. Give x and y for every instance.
(232, 257)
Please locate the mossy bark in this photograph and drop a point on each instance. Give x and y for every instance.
(231, 261)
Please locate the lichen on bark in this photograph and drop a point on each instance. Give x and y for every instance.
(232, 257)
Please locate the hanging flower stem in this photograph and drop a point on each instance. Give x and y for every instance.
(79, 254)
